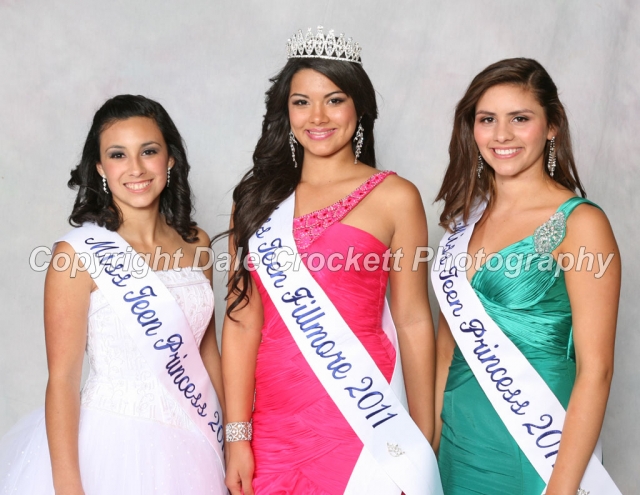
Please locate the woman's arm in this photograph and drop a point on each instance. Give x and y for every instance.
(66, 305)
(209, 345)
(409, 304)
(240, 341)
(594, 307)
(211, 359)
(445, 345)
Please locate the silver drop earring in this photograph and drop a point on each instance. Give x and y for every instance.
(168, 176)
(480, 165)
(104, 185)
(551, 164)
(292, 143)
(358, 139)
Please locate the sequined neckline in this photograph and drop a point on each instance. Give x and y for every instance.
(307, 228)
(367, 185)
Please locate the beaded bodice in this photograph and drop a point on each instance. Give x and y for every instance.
(307, 228)
(120, 380)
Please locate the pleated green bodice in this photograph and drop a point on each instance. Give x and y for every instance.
(527, 297)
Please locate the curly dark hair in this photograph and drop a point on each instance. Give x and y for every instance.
(461, 185)
(93, 205)
(273, 176)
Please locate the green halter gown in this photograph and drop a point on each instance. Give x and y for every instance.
(477, 453)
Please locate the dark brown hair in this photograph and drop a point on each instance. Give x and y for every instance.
(461, 186)
(273, 176)
(94, 205)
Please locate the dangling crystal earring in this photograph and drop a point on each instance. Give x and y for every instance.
(292, 143)
(358, 139)
(104, 185)
(551, 164)
(480, 165)
(168, 176)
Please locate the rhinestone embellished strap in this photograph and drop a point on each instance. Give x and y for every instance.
(549, 235)
(307, 228)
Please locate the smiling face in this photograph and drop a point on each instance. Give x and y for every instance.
(134, 159)
(323, 118)
(511, 130)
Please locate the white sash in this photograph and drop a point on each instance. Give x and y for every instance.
(156, 323)
(527, 407)
(397, 457)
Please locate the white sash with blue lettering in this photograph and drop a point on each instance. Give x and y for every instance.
(527, 407)
(396, 456)
(155, 322)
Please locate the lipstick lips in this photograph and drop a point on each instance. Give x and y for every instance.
(319, 134)
(138, 187)
(506, 152)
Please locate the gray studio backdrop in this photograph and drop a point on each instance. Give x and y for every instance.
(209, 62)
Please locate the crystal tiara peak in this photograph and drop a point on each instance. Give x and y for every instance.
(321, 46)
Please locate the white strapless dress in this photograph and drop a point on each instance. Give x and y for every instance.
(134, 438)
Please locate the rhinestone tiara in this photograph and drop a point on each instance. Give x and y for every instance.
(321, 46)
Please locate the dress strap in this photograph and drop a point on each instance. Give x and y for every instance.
(307, 228)
(550, 234)
(569, 205)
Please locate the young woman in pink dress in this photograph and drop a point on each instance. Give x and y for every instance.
(317, 143)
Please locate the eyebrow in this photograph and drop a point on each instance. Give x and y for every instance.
(326, 96)
(485, 112)
(120, 147)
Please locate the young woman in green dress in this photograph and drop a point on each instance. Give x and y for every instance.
(511, 147)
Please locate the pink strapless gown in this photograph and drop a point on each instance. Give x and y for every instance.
(301, 442)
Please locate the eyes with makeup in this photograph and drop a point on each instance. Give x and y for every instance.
(334, 101)
(119, 154)
(519, 119)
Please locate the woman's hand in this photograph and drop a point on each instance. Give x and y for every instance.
(240, 468)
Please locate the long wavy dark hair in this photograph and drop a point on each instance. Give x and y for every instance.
(461, 186)
(273, 176)
(94, 205)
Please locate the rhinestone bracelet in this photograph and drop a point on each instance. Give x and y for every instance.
(239, 431)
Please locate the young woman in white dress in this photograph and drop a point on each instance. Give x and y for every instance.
(125, 433)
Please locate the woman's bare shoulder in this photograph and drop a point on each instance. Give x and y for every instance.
(400, 194)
